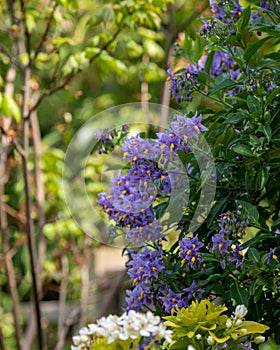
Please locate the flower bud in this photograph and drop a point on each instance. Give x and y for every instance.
(260, 339)
(240, 311)
(210, 340)
(229, 323)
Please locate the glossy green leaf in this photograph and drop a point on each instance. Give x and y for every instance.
(243, 149)
(250, 210)
(224, 85)
(253, 48)
(244, 18)
(254, 255)
(239, 294)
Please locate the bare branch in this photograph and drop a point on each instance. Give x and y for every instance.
(12, 59)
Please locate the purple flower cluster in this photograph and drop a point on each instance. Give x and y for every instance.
(132, 198)
(270, 5)
(231, 228)
(144, 268)
(224, 17)
(189, 252)
(183, 84)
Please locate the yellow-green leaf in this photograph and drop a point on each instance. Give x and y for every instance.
(219, 340)
(253, 327)
(9, 108)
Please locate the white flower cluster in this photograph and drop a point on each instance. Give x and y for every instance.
(130, 325)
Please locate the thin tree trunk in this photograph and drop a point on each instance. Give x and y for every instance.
(39, 191)
(9, 89)
(2, 343)
(62, 327)
(172, 34)
(85, 283)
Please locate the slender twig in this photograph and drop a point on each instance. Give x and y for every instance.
(197, 11)
(172, 35)
(45, 34)
(26, 32)
(12, 59)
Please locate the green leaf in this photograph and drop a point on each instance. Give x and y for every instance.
(250, 209)
(253, 48)
(197, 49)
(262, 178)
(256, 239)
(253, 104)
(244, 18)
(243, 149)
(253, 327)
(276, 223)
(239, 294)
(254, 255)
(222, 86)
(235, 118)
(209, 62)
(10, 108)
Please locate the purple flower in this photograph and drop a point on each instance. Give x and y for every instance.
(272, 255)
(185, 128)
(221, 243)
(237, 256)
